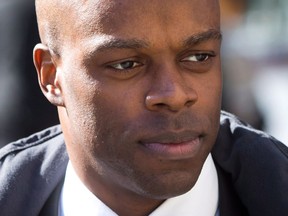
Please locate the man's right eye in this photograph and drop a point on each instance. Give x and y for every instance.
(125, 65)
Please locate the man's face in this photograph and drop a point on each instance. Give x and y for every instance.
(141, 84)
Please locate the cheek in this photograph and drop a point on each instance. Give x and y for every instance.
(79, 98)
(209, 99)
(102, 114)
(213, 93)
(211, 89)
(116, 114)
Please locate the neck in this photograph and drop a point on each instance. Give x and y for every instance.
(122, 201)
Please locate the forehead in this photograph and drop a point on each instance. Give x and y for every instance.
(141, 19)
(104, 14)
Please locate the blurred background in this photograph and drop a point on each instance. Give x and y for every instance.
(255, 63)
(254, 56)
(23, 108)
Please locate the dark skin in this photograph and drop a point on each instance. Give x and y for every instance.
(138, 94)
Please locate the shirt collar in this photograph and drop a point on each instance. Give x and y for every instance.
(201, 200)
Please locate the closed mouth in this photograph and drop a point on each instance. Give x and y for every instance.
(173, 146)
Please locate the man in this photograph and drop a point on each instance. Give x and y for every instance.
(138, 90)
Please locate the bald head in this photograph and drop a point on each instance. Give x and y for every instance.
(58, 18)
(53, 18)
(48, 17)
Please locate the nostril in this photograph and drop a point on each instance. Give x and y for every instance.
(189, 103)
(171, 101)
(172, 108)
(161, 105)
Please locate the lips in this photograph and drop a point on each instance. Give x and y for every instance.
(173, 146)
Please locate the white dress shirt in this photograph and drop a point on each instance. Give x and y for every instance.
(201, 200)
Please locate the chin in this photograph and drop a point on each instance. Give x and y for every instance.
(168, 185)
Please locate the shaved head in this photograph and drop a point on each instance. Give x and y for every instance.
(49, 18)
(56, 17)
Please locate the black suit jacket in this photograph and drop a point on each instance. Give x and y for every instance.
(252, 169)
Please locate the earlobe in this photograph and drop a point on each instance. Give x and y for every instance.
(48, 76)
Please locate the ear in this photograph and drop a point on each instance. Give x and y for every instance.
(48, 76)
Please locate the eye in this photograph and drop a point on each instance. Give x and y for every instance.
(197, 61)
(201, 57)
(125, 65)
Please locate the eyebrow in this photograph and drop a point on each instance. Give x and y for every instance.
(118, 43)
(211, 34)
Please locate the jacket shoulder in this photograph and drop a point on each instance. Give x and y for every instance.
(31, 167)
(256, 163)
(29, 142)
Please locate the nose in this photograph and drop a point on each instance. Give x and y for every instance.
(170, 91)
